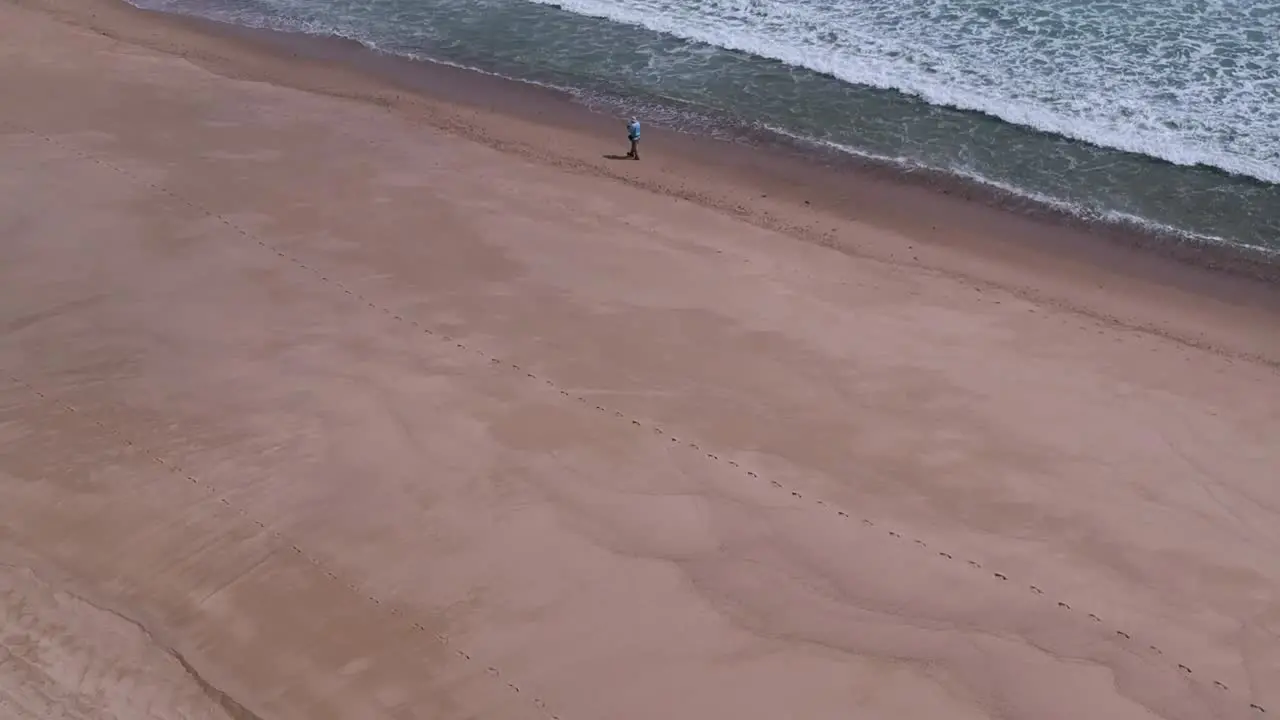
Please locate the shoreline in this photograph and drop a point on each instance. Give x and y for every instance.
(942, 222)
(1097, 183)
(449, 82)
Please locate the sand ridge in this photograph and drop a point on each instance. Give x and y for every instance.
(67, 657)
(568, 450)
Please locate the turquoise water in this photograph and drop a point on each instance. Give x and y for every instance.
(1165, 114)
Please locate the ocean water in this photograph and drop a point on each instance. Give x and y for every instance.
(1163, 113)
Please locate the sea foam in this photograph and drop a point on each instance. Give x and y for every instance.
(1188, 82)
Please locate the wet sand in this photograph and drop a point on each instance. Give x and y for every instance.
(325, 407)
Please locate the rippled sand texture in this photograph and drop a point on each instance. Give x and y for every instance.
(307, 411)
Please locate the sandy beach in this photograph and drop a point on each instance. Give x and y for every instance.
(325, 395)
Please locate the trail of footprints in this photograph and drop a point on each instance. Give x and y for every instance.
(496, 362)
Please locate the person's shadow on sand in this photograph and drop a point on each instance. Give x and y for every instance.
(617, 157)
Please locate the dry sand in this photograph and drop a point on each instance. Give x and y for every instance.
(310, 410)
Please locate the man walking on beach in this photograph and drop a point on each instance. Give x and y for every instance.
(633, 134)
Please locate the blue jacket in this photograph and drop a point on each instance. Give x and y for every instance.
(633, 131)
